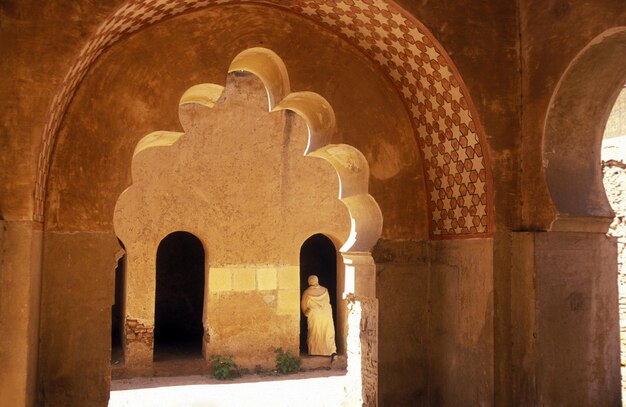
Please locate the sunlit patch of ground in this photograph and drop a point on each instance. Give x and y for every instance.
(315, 389)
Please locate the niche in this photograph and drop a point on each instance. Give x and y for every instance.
(179, 300)
(318, 256)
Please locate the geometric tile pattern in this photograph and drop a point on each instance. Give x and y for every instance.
(446, 126)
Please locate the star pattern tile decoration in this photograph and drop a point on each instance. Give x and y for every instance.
(451, 140)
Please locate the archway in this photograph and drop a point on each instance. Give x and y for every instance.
(318, 256)
(574, 127)
(446, 125)
(179, 298)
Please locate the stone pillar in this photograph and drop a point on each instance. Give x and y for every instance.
(565, 319)
(20, 278)
(362, 330)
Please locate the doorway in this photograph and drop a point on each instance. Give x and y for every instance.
(318, 256)
(179, 300)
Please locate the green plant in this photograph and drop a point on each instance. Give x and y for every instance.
(224, 367)
(258, 369)
(285, 362)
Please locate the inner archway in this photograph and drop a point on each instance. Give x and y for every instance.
(179, 297)
(318, 256)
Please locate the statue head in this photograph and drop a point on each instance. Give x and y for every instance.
(313, 280)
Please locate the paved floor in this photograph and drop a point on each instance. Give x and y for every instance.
(314, 389)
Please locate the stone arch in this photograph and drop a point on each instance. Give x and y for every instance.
(446, 126)
(573, 131)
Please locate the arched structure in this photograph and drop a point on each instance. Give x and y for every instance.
(574, 127)
(568, 275)
(252, 175)
(446, 126)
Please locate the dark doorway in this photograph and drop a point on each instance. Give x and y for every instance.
(179, 298)
(117, 310)
(318, 256)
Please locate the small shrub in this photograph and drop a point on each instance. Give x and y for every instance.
(224, 367)
(258, 369)
(285, 362)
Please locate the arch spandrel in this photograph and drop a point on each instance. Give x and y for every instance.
(447, 129)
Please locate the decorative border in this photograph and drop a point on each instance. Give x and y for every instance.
(451, 140)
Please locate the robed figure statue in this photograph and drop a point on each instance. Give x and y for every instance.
(320, 328)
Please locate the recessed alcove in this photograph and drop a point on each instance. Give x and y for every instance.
(179, 299)
(318, 256)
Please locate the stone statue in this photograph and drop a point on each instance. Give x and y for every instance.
(316, 307)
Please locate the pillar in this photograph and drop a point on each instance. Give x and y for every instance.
(362, 329)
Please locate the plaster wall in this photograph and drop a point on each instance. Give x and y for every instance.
(20, 262)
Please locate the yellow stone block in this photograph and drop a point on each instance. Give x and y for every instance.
(220, 279)
(244, 279)
(266, 279)
(288, 302)
(289, 278)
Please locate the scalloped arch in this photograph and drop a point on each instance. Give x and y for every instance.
(450, 137)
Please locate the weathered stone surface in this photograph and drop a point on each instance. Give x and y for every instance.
(614, 170)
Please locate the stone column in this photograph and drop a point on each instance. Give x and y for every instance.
(362, 329)
(565, 347)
